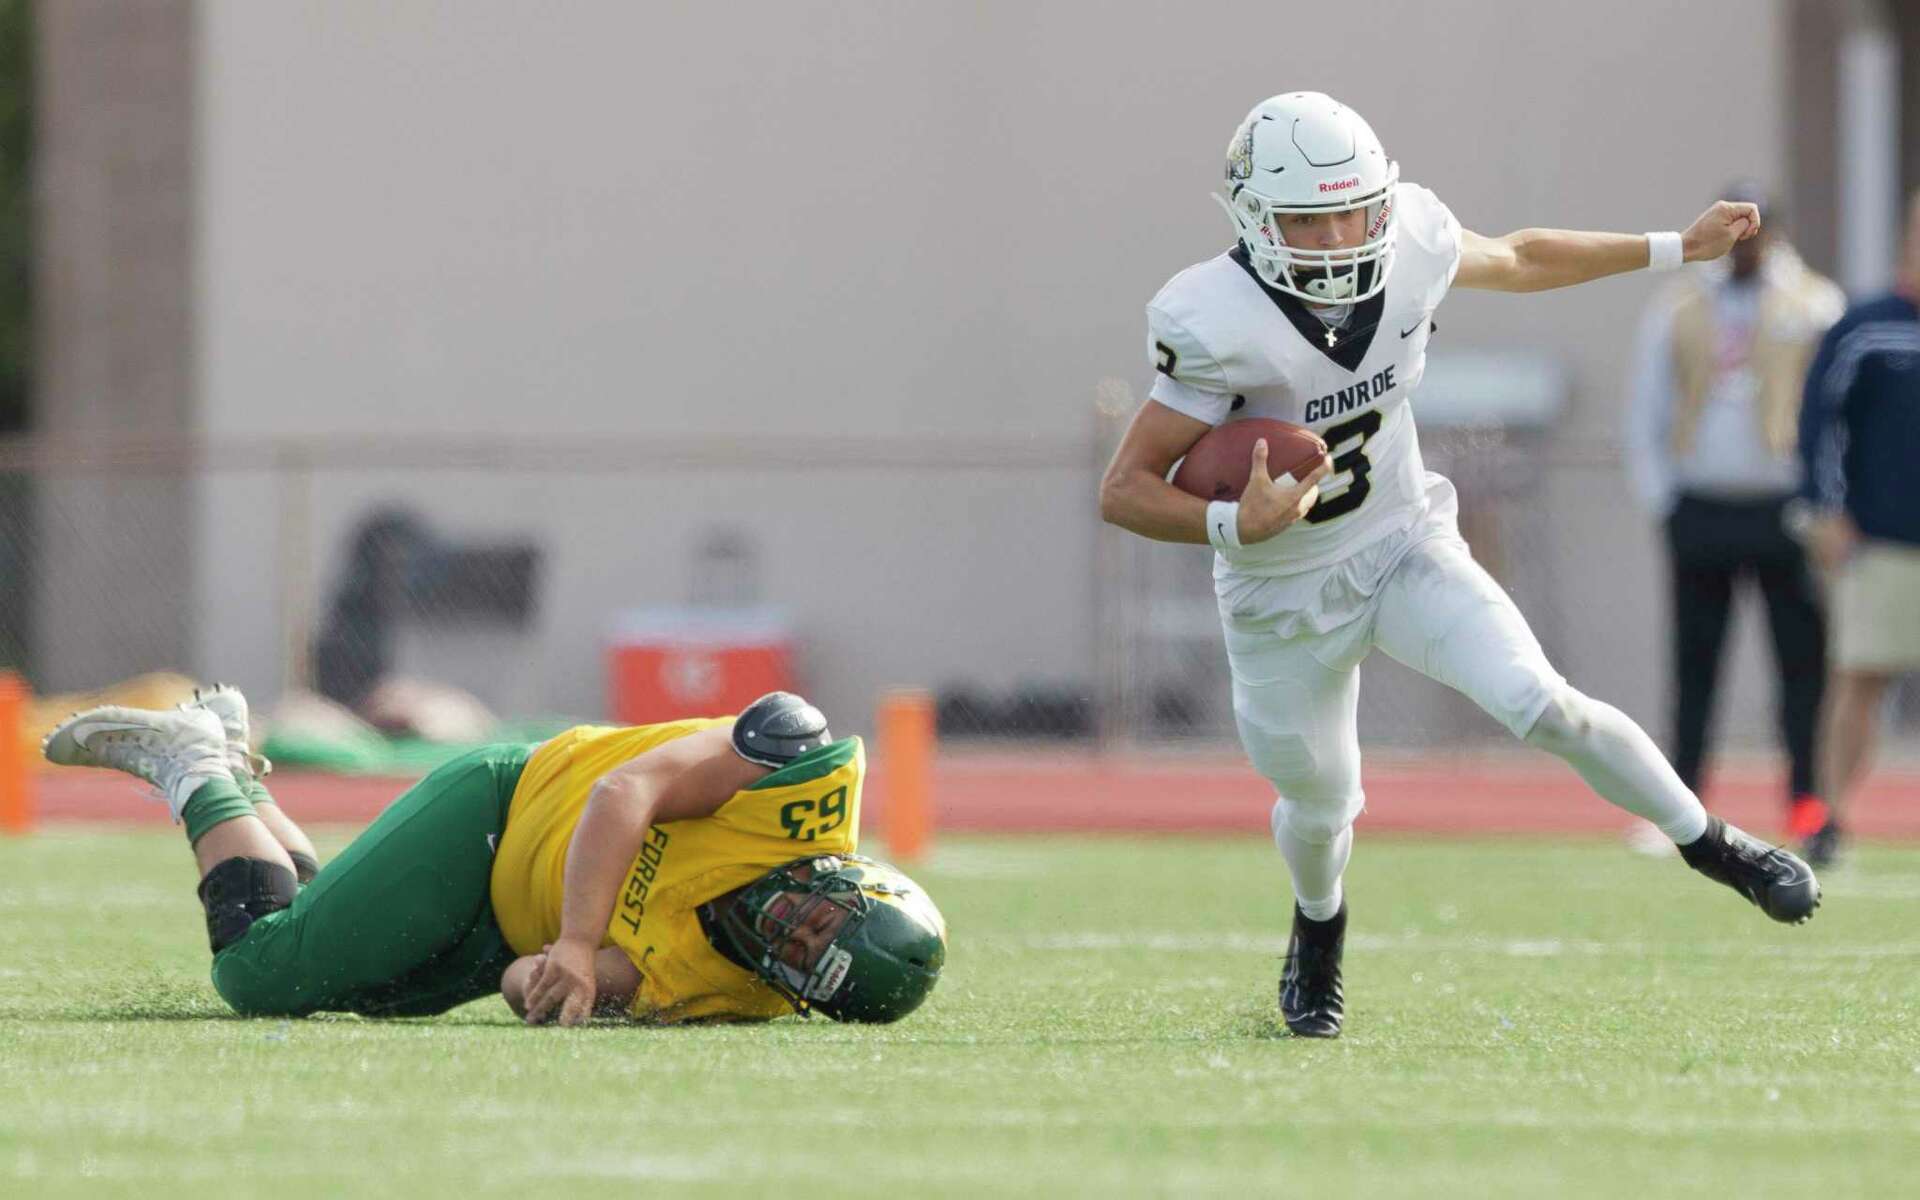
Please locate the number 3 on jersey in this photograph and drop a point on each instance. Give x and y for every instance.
(1352, 462)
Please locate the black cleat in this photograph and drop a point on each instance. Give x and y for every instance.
(1822, 846)
(1310, 998)
(1776, 880)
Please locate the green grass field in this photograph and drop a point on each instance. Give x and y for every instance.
(1527, 1018)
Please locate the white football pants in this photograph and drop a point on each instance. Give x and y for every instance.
(1295, 699)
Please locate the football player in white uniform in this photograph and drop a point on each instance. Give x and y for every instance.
(1319, 315)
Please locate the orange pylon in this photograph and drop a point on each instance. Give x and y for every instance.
(16, 783)
(906, 731)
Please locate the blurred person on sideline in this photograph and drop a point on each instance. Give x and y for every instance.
(396, 569)
(1712, 424)
(1860, 445)
(1319, 315)
(698, 870)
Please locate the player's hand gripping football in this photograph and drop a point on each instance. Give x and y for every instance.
(563, 985)
(1269, 505)
(1717, 229)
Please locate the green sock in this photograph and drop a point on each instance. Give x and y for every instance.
(213, 803)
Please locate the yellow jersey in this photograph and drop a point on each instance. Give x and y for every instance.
(809, 807)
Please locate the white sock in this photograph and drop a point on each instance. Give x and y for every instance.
(1619, 761)
(1316, 868)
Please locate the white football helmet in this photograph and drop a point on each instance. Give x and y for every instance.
(1305, 152)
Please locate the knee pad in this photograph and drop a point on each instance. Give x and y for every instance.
(1517, 691)
(1318, 787)
(305, 867)
(239, 891)
(1286, 760)
(1563, 721)
(1316, 822)
(1298, 761)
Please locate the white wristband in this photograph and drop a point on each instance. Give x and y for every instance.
(1664, 252)
(1223, 524)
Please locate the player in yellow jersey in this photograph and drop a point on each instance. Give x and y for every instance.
(694, 870)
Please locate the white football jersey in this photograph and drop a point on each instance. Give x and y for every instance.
(1227, 347)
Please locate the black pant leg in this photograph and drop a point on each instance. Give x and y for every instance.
(1797, 619)
(1702, 576)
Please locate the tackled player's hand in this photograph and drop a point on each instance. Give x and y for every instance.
(1269, 505)
(563, 985)
(1718, 228)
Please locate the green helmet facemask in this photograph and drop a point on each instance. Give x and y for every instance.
(883, 960)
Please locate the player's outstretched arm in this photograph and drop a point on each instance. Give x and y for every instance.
(1135, 494)
(1535, 260)
(686, 778)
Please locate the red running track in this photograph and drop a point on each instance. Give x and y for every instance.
(1121, 793)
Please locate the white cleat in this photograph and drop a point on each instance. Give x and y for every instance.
(225, 701)
(174, 750)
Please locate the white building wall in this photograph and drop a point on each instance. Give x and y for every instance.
(936, 221)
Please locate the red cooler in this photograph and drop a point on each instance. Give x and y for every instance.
(666, 664)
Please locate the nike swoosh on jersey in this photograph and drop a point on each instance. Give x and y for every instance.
(1407, 333)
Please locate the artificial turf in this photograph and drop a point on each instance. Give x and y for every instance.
(1525, 1018)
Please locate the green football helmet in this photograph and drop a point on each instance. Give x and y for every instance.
(882, 961)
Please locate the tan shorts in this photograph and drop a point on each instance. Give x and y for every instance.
(1876, 609)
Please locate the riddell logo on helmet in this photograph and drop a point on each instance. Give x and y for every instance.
(1339, 185)
(830, 973)
(1380, 222)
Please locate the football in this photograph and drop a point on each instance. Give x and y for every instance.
(1217, 466)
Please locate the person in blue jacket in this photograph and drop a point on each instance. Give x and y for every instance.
(1860, 445)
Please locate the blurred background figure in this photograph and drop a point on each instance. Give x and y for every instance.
(397, 571)
(1860, 442)
(353, 651)
(1712, 422)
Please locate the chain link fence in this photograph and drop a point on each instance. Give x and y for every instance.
(507, 570)
(501, 569)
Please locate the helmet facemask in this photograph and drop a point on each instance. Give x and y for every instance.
(1343, 276)
(879, 963)
(765, 920)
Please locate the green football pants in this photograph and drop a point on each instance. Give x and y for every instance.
(400, 924)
